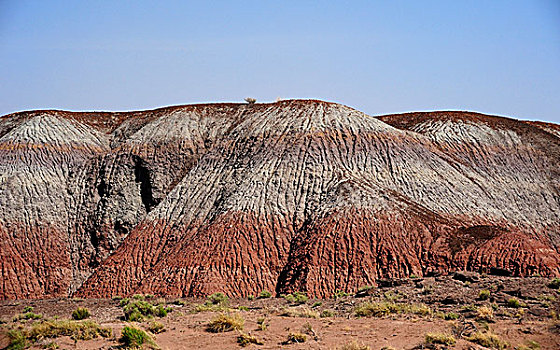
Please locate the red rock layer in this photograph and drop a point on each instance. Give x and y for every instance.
(294, 195)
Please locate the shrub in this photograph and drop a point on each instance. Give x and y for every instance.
(316, 304)
(485, 313)
(440, 338)
(136, 310)
(246, 339)
(156, 327)
(514, 302)
(554, 284)
(251, 297)
(250, 100)
(214, 302)
(339, 294)
(242, 308)
(132, 337)
(138, 297)
(373, 309)
(28, 309)
(327, 313)
(265, 294)
(297, 298)
(18, 341)
(218, 299)
(27, 316)
(161, 311)
(364, 291)
(295, 338)
(299, 312)
(75, 330)
(226, 323)
(488, 340)
(353, 345)
(80, 313)
(484, 294)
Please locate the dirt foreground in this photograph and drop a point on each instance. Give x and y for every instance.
(397, 314)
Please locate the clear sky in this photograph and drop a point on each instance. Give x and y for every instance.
(496, 57)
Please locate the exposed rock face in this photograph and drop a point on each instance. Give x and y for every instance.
(294, 195)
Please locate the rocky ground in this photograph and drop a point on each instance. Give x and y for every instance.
(471, 310)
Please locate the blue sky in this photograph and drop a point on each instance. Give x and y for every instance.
(496, 57)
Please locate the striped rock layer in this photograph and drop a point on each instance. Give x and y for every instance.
(295, 195)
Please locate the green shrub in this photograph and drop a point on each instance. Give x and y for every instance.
(484, 294)
(440, 338)
(27, 309)
(225, 323)
(327, 313)
(316, 304)
(132, 337)
(161, 311)
(80, 313)
(214, 302)
(514, 302)
(265, 294)
(138, 297)
(17, 338)
(296, 298)
(218, 299)
(138, 309)
(27, 316)
(246, 339)
(251, 297)
(242, 308)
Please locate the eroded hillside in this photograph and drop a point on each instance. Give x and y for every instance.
(294, 195)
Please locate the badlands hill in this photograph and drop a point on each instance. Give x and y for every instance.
(295, 195)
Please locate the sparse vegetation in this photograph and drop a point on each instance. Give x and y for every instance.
(27, 316)
(295, 338)
(327, 313)
(375, 309)
(554, 283)
(84, 330)
(299, 312)
(339, 294)
(316, 304)
(514, 302)
(440, 338)
(214, 302)
(262, 325)
(80, 313)
(297, 298)
(17, 338)
(447, 316)
(225, 323)
(485, 313)
(242, 308)
(354, 345)
(484, 294)
(247, 339)
(265, 294)
(134, 338)
(488, 340)
(27, 309)
(156, 327)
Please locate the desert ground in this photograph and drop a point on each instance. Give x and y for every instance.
(458, 311)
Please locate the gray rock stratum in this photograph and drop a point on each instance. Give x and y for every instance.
(294, 195)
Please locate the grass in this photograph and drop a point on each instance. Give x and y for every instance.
(225, 323)
(375, 309)
(485, 313)
(488, 340)
(247, 339)
(447, 316)
(354, 345)
(136, 310)
(134, 338)
(299, 312)
(440, 338)
(80, 313)
(22, 337)
(484, 294)
(156, 327)
(262, 325)
(214, 302)
(296, 298)
(295, 338)
(515, 303)
(327, 313)
(18, 340)
(27, 316)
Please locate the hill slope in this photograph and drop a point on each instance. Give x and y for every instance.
(295, 195)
